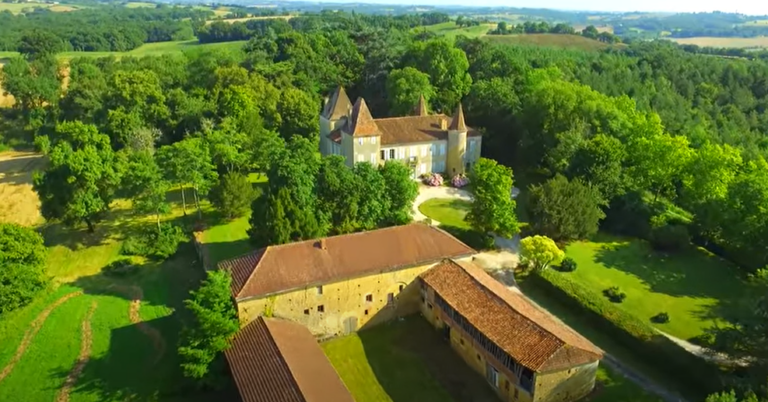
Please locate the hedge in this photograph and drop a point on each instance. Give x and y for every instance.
(666, 357)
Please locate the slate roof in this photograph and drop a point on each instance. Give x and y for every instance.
(529, 334)
(338, 106)
(277, 269)
(274, 360)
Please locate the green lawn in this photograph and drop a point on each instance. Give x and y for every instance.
(696, 289)
(612, 387)
(148, 49)
(127, 360)
(404, 361)
(229, 238)
(447, 211)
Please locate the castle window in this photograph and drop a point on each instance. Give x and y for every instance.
(400, 288)
(383, 153)
(390, 298)
(319, 290)
(321, 309)
(360, 141)
(442, 149)
(373, 159)
(424, 150)
(392, 153)
(306, 311)
(402, 153)
(369, 297)
(373, 140)
(360, 158)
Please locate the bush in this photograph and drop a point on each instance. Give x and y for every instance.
(434, 180)
(653, 349)
(151, 243)
(568, 265)
(472, 238)
(459, 181)
(121, 267)
(661, 318)
(670, 237)
(615, 294)
(233, 195)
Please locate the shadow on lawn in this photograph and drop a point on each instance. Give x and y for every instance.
(133, 368)
(405, 353)
(687, 273)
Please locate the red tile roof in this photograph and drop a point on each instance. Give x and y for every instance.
(277, 269)
(280, 361)
(361, 123)
(411, 129)
(526, 332)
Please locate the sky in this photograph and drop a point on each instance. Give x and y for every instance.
(754, 7)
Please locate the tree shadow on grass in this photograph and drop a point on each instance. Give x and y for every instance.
(407, 355)
(688, 273)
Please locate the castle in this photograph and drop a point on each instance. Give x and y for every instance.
(426, 142)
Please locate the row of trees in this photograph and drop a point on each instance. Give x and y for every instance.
(502, 28)
(102, 28)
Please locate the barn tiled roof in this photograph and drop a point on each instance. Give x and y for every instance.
(275, 360)
(530, 335)
(277, 269)
(338, 106)
(361, 123)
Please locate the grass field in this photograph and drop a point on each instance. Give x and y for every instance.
(17, 8)
(149, 49)
(746, 43)
(447, 211)
(549, 40)
(451, 30)
(93, 337)
(19, 202)
(233, 20)
(140, 4)
(409, 361)
(697, 290)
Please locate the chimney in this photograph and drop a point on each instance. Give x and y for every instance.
(443, 124)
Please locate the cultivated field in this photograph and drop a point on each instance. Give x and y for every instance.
(745, 43)
(18, 8)
(450, 29)
(549, 40)
(148, 49)
(18, 202)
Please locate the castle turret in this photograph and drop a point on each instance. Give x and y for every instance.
(336, 111)
(457, 144)
(362, 138)
(421, 107)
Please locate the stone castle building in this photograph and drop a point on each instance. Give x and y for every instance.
(426, 142)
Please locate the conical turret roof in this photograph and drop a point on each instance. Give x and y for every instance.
(421, 107)
(338, 106)
(457, 124)
(361, 122)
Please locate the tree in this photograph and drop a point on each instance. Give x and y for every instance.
(215, 323)
(135, 99)
(502, 28)
(400, 192)
(447, 67)
(33, 83)
(39, 43)
(493, 210)
(234, 195)
(658, 161)
(338, 193)
(298, 112)
(590, 32)
(565, 210)
(143, 139)
(145, 184)
(599, 161)
(540, 252)
(81, 179)
(188, 162)
(22, 263)
(373, 202)
(404, 88)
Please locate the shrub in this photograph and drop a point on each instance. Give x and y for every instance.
(233, 195)
(653, 349)
(121, 267)
(151, 243)
(472, 238)
(670, 237)
(568, 265)
(434, 180)
(615, 294)
(22, 266)
(459, 181)
(661, 318)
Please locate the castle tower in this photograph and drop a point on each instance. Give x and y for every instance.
(421, 107)
(362, 138)
(335, 113)
(457, 144)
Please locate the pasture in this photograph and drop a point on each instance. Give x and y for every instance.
(18, 8)
(451, 30)
(233, 20)
(148, 49)
(698, 290)
(93, 336)
(549, 40)
(759, 42)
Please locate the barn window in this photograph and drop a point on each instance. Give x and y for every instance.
(321, 309)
